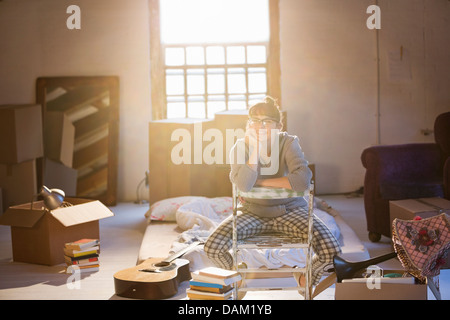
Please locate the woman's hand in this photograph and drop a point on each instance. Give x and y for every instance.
(251, 139)
(252, 142)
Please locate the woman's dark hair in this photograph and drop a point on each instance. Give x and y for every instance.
(268, 107)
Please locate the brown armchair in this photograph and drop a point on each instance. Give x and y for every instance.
(406, 171)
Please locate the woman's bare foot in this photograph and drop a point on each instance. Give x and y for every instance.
(300, 278)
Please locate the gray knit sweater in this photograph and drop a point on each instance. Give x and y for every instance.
(291, 164)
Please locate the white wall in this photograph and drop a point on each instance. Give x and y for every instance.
(330, 79)
(113, 40)
(422, 29)
(328, 62)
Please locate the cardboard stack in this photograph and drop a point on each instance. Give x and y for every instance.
(21, 142)
(212, 284)
(34, 152)
(82, 255)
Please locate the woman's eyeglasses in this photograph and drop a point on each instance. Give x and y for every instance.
(261, 122)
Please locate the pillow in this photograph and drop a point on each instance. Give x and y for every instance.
(207, 213)
(164, 210)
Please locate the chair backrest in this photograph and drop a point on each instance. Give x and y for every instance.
(272, 193)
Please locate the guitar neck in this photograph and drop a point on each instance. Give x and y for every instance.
(182, 252)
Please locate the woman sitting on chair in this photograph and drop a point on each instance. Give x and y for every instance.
(252, 166)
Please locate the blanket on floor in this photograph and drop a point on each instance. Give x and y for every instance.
(200, 216)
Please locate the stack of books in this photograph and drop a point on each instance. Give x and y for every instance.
(82, 255)
(212, 284)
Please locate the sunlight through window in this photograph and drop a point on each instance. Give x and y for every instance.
(215, 55)
(206, 21)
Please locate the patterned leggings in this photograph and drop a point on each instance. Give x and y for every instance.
(293, 222)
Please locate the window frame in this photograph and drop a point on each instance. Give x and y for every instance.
(158, 69)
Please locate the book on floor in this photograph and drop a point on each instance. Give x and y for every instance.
(219, 273)
(82, 255)
(209, 287)
(79, 253)
(208, 276)
(202, 295)
(82, 244)
(83, 260)
(82, 269)
(208, 284)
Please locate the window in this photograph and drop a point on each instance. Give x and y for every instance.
(212, 55)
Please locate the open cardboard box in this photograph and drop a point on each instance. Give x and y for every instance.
(384, 291)
(38, 235)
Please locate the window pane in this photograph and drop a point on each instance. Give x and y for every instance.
(196, 110)
(236, 80)
(235, 54)
(174, 56)
(195, 56)
(215, 55)
(196, 81)
(256, 54)
(176, 110)
(257, 82)
(216, 80)
(174, 82)
(237, 103)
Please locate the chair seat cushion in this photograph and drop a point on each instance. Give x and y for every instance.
(396, 190)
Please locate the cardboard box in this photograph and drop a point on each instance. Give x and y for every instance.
(21, 136)
(168, 179)
(383, 291)
(38, 235)
(209, 180)
(59, 138)
(18, 182)
(53, 174)
(424, 207)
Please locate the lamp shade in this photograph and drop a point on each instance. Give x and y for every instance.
(53, 198)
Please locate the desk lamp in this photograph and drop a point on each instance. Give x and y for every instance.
(53, 198)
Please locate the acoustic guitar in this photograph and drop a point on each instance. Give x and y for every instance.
(155, 278)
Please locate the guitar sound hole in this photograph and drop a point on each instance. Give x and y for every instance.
(162, 264)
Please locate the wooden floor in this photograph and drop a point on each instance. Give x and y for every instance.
(121, 237)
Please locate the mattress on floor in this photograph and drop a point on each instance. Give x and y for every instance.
(164, 238)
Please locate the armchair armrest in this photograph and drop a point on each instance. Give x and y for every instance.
(405, 161)
(447, 178)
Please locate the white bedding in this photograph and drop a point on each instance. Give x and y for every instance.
(199, 217)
